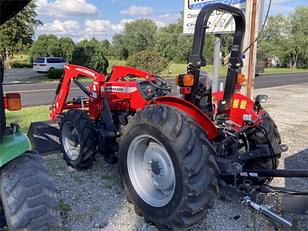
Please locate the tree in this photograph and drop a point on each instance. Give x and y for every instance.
(286, 38)
(53, 48)
(119, 48)
(299, 31)
(45, 45)
(139, 35)
(16, 34)
(106, 46)
(148, 60)
(277, 39)
(67, 47)
(79, 56)
(98, 61)
(166, 42)
(91, 54)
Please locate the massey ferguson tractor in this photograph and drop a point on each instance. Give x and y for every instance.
(174, 153)
(28, 197)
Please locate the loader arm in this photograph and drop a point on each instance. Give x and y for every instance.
(71, 73)
(118, 72)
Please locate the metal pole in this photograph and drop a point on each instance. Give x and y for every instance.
(252, 53)
(216, 63)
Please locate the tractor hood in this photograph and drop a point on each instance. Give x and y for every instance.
(9, 8)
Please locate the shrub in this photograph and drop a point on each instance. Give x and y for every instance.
(148, 60)
(55, 73)
(21, 65)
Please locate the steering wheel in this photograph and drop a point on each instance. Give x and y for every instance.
(159, 83)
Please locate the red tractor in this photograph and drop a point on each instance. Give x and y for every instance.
(92, 124)
(174, 152)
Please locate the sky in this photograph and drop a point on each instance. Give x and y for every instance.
(101, 19)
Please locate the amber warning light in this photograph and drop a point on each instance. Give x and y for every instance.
(186, 80)
(12, 101)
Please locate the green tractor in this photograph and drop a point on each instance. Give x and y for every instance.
(28, 197)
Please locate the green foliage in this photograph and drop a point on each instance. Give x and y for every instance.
(67, 47)
(79, 56)
(91, 54)
(138, 36)
(148, 60)
(172, 44)
(55, 73)
(98, 61)
(119, 49)
(286, 38)
(63, 47)
(16, 34)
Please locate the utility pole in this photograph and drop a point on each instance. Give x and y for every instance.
(252, 25)
(216, 62)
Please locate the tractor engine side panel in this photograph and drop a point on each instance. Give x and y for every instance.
(124, 96)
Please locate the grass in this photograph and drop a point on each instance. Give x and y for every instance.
(115, 62)
(19, 60)
(271, 71)
(178, 68)
(28, 115)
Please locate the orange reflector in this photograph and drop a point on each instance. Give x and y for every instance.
(241, 78)
(13, 101)
(188, 80)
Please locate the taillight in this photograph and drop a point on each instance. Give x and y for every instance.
(185, 90)
(13, 101)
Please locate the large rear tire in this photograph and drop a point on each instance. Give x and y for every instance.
(77, 138)
(167, 167)
(273, 140)
(29, 198)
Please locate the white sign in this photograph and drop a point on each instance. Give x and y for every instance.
(219, 22)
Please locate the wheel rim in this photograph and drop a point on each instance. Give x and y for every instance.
(71, 140)
(151, 170)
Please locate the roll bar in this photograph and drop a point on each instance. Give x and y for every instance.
(196, 58)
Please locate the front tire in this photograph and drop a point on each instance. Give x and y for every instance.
(77, 138)
(167, 167)
(29, 199)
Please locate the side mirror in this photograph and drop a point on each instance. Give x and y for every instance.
(261, 99)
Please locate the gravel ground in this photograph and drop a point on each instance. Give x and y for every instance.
(94, 200)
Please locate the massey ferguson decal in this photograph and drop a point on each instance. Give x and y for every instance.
(120, 89)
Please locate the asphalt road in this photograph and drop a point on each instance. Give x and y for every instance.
(43, 93)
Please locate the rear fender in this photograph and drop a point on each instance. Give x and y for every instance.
(13, 146)
(191, 110)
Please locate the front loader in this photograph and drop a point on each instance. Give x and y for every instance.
(28, 197)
